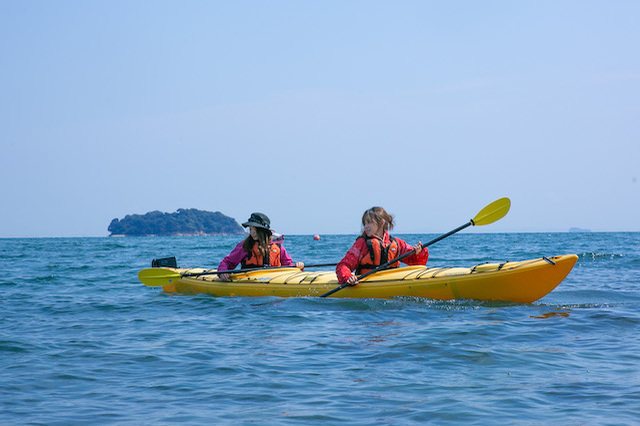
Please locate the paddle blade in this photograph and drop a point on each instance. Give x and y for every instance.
(155, 277)
(494, 211)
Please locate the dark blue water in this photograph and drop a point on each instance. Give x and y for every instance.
(82, 341)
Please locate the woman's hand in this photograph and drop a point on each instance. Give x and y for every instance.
(300, 265)
(224, 277)
(353, 280)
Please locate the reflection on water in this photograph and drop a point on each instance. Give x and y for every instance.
(559, 313)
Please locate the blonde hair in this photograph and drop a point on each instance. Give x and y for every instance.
(378, 214)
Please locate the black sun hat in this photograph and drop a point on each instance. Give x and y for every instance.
(259, 220)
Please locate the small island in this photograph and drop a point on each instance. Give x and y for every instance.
(184, 222)
(579, 230)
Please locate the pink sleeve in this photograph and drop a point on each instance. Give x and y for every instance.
(232, 260)
(285, 259)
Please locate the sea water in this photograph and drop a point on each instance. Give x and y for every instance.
(82, 341)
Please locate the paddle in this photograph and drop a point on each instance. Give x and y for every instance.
(491, 213)
(155, 277)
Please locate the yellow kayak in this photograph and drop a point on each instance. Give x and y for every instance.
(520, 282)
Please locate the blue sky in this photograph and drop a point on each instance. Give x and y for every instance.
(312, 112)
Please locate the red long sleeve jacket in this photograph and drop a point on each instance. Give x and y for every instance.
(358, 251)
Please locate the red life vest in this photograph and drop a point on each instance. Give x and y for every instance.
(254, 260)
(378, 254)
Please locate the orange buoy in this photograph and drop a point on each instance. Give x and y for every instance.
(316, 237)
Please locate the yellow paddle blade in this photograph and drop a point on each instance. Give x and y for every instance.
(155, 277)
(494, 211)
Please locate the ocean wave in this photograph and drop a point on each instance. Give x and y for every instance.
(596, 256)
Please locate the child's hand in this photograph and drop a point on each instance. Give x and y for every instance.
(353, 280)
(300, 265)
(418, 247)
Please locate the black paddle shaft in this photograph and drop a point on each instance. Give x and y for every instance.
(238, 271)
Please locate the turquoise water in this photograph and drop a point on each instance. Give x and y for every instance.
(82, 341)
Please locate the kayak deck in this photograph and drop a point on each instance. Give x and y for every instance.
(520, 282)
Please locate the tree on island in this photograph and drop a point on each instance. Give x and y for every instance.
(182, 222)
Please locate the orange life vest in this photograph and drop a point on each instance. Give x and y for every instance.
(378, 254)
(254, 260)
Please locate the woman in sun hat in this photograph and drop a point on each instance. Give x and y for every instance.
(257, 250)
